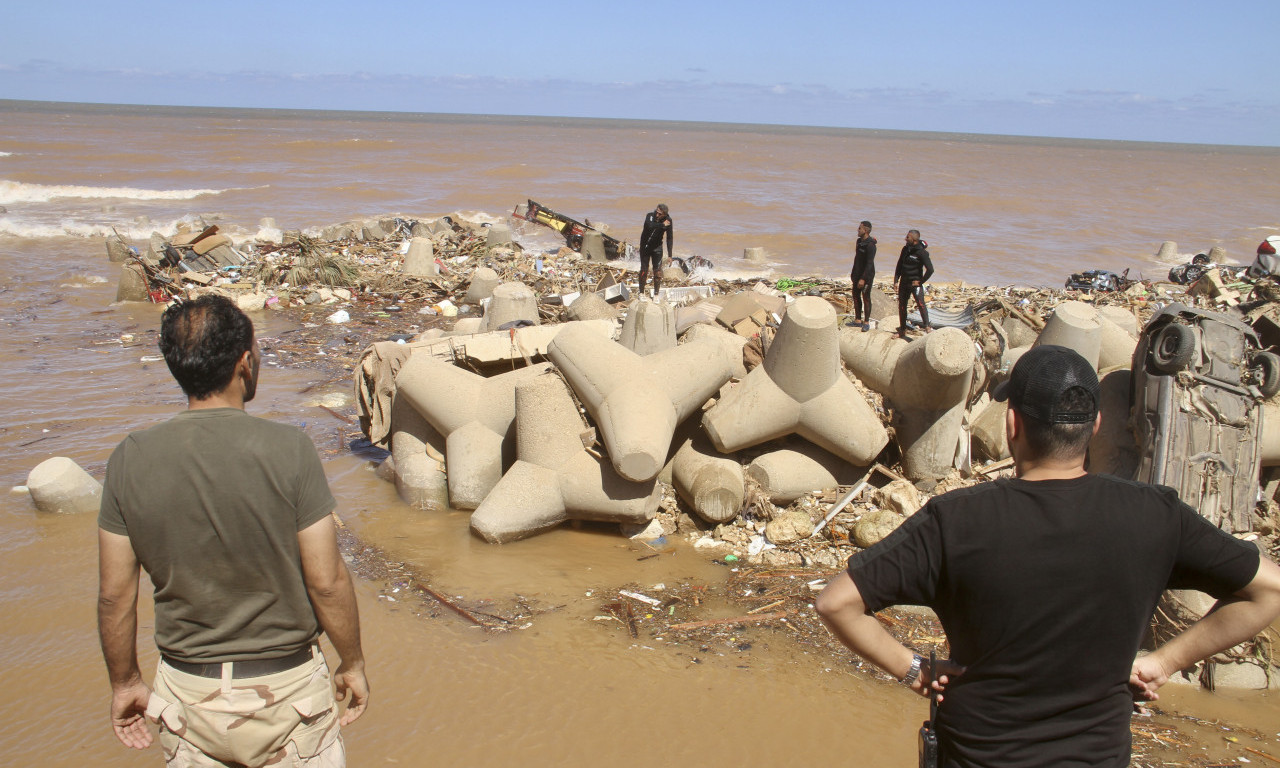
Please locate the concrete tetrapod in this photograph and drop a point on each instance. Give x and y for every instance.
(710, 483)
(637, 402)
(799, 390)
(60, 485)
(483, 281)
(730, 344)
(650, 327)
(791, 472)
(554, 479)
(417, 453)
(511, 301)
(474, 415)
(1075, 325)
(420, 260)
(928, 386)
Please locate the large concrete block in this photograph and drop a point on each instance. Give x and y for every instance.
(483, 281)
(593, 246)
(638, 401)
(987, 428)
(927, 380)
(133, 284)
(789, 473)
(372, 230)
(417, 453)
(799, 390)
(591, 306)
(474, 414)
(1115, 345)
(754, 255)
(1019, 333)
(421, 258)
(60, 485)
(1074, 325)
(1125, 318)
(554, 478)
(1168, 252)
(511, 302)
(499, 234)
(117, 251)
(649, 327)
(730, 343)
(1114, 450)
(711, 483)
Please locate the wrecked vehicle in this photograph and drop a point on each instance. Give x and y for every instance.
(1098, 280)
(570, 228)
(1198, 381)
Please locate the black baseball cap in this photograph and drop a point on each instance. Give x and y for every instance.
(1042, 376)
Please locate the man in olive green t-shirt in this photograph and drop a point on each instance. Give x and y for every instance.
(230, 516)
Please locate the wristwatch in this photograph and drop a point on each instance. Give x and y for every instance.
(913, 674)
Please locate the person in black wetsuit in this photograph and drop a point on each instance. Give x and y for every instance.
(864, 272)
(914, 268)
(655, 225)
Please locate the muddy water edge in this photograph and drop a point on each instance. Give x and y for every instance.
(566, 689)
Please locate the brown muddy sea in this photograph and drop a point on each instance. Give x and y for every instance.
(567, 691)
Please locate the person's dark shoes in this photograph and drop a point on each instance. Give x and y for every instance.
(866, 327)
(902, 333)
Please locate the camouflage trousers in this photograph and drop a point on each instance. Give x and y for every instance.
(285, 719)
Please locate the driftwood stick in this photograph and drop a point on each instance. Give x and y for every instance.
(732, 620)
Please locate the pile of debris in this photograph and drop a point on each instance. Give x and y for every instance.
(532, 388)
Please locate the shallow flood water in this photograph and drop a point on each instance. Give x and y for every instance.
(568, 690)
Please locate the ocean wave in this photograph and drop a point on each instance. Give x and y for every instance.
(15, 227)
(6, 154)
(18, 192)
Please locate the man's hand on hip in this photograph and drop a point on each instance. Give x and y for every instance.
(128, 709)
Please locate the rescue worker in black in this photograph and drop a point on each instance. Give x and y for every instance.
(914, 268)
(655, 224)
(864, 272)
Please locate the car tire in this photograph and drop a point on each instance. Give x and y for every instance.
(1266, 367)
(1172, 347)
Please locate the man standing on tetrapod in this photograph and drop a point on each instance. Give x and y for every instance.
(230, 516)
(656, 225)
(1045, 584)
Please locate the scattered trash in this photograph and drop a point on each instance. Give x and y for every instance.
(341, 316)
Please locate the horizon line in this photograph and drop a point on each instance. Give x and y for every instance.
(180, 110)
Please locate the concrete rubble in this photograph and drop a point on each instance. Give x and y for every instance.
(59, 485)
(531, 386)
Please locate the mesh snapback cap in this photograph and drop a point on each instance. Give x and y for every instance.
(1042, 376)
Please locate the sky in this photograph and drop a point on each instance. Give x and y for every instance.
(1121, 69)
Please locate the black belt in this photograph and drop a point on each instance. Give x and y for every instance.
(243, 669)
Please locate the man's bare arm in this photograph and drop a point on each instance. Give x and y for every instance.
(118, 632)
(1230, 622)
(841, 608)
(334, 598)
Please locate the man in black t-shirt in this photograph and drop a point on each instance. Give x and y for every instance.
(1044, 584)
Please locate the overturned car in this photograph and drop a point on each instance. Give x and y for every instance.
(1198, 381)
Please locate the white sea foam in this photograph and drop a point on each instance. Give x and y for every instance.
(18, 192)
(6, 154)
(14, 226)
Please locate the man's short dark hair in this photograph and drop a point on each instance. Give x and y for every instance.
(663, 207)
(866, 224)
(202, 340)
(1060, 440)
(915, 232)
